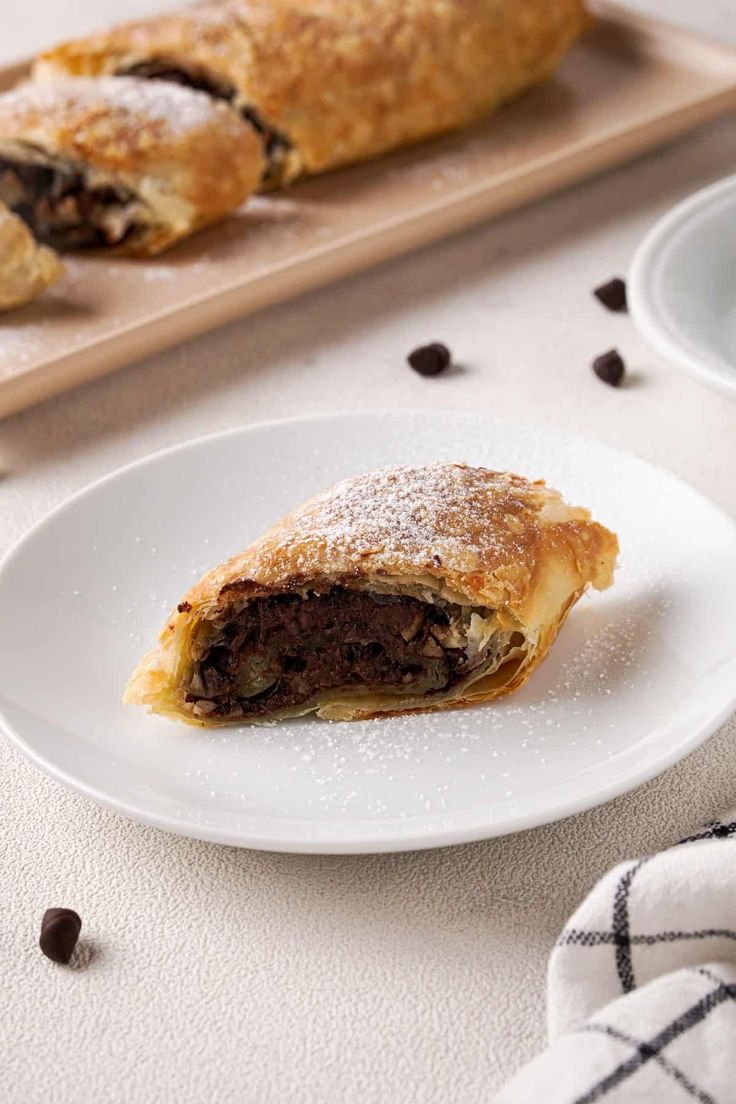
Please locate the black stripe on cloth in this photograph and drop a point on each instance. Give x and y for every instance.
(669, 1067)
(624, 965)
(714, 977)
(648, 1050)
(577, 937)
(712, 831)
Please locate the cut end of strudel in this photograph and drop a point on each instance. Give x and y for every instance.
(401, 590)
(121, 165)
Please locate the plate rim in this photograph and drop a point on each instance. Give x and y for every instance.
(405, 833)
(644, 313)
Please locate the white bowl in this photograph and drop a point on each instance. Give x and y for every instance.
(682, 286)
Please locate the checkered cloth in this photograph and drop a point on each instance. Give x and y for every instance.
(642, 985)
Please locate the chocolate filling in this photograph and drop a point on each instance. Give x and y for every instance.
(62, 208)
(275, 143)
(198, 79)
(284, 651)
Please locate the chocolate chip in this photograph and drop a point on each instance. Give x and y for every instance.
(60, 930)
(437, 560)
(610, 367)
(184, 607)
(612, 295)
(430, 360)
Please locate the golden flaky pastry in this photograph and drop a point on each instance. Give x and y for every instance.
(26, 268)
(328, 82)
(400, 590)
(124, 164)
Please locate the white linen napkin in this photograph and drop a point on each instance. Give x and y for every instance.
(642, 985)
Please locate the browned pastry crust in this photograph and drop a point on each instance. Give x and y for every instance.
(123, 163)
(341, 80)
(495, 561)
(26, 268)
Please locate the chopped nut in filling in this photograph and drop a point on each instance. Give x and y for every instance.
(63, 207)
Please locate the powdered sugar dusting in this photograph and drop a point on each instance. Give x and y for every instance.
(440, 515)
(175, 109)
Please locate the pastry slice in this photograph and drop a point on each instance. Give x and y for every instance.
(26, 268)
(400, 590)
(334, 81)
(129, 165)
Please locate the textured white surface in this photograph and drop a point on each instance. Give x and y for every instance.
(234, 976)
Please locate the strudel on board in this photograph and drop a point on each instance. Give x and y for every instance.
(328, 82)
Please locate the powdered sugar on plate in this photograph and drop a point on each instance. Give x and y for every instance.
(638, 676)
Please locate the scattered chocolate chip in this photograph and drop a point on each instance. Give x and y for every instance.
(184, 607)
(612, 295)
(430, 360)
(60, 930)
(437, 560)
(610, 367)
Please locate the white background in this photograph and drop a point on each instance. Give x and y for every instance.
(221, 975)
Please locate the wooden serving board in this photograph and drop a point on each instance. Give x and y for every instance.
(630, 84)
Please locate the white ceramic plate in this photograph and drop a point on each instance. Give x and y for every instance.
(682, 286)
(639, 676)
